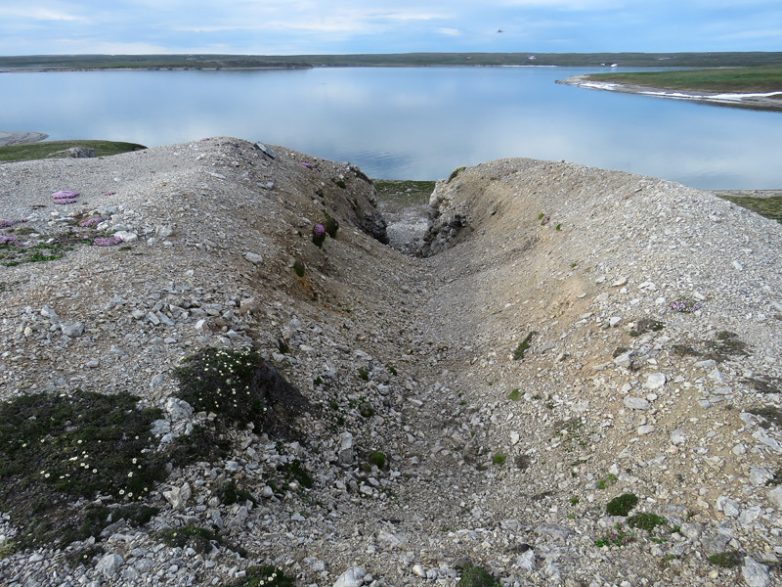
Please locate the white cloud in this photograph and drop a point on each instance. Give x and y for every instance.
(449, 32)
(39, 13)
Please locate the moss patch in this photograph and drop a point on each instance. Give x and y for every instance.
(646, 522)
(522, 348)
(241, 388)
(621, 505)
(474, 576)
(727, 559)
(55, 448)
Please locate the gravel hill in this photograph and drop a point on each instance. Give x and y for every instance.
(576, 381)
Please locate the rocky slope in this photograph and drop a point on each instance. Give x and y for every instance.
(568, 336)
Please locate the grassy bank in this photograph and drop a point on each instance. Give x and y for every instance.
(81, 62)
(734, 79)
(48, 149)
(769, 206)
(397, 194)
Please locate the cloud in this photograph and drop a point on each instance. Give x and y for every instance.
(39, 13)
(449, 31)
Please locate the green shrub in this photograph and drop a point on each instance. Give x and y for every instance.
(646, 522)
(727, 559)
(229, 493)
(523, 347)
(331, 225)
(299, 267)
(621, 505)
(499, 459)
(473, 576)
(378, 459)
(239, 387)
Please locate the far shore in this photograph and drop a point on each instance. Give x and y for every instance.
(757, 101)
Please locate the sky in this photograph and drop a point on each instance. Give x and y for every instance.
(290, 27)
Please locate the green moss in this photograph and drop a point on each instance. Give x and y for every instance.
(202, 444)
(230, 493)
(299, 267)
(499, 459)
(363, 373)
(514, 395)
(645, 325)
(331, 226)
(523, 347)
(474, 576)
(727, 559)
(264, 576)
(621, 505)
(54, 448)
(295, 471)
(646, 521)
(198, 538)
(366, 410)
(378, 459)
(606, 481)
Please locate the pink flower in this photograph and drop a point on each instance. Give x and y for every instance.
(91, 221)
(106, 241)
(7, 240)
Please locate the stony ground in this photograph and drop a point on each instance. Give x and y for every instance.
(570, 335)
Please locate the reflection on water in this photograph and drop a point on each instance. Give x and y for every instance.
(407, 122)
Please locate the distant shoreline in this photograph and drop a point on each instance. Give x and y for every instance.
(756, 101)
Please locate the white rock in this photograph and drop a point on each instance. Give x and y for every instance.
(643, 430)
(345, 453)
(754, 573)
(353, 577)
(655, 381)
(126, 236)
(419, 570)
(72, 329)
(728, 506)
(253, 258)
(614, 320)
(760, 475)
(636, 403)
(178, 409)
(178, 496)
(514, 438)
(526, 561)
(775, 496)
(678, 437)
(109, 565)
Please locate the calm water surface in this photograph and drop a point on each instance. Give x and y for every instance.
(408, 123)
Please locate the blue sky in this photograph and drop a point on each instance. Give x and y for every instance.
(283, 27)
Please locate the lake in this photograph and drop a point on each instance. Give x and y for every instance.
(408, 123)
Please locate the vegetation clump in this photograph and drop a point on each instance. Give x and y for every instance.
(617, 536)
(200, 539)
(331, 225)
(378, 459)
(455, 173)
(230, 493)
(54, 448)
(621, 505)
(645, 325)
(295, 471)
(299, 267)
(727, 559)
(646, 521)
(499, 459)
(264, 576)
(240, 387)
(474, 576)
(606, 481)
(523, 346)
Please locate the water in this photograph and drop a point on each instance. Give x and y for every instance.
(408, 123)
